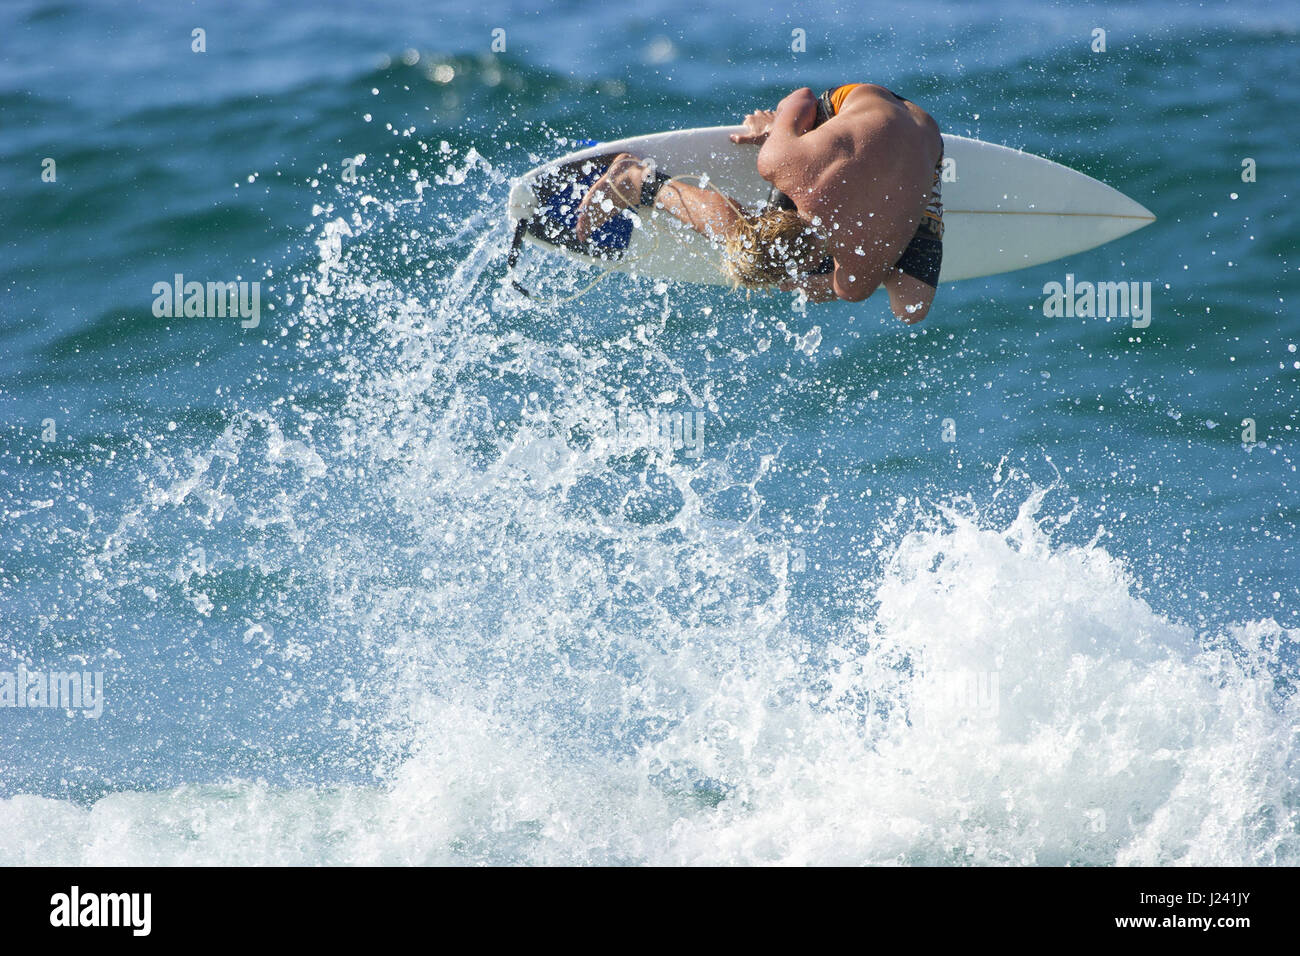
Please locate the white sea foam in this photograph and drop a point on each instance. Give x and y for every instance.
(1118, 737)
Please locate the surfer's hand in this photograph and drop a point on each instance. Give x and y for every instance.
(757, 126)
(618, 189)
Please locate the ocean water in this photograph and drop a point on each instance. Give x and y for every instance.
(402, 574)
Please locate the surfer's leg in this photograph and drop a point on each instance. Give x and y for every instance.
(909, 297)
(915, 276)
(622, 187)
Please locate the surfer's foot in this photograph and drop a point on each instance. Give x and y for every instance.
(618, 189)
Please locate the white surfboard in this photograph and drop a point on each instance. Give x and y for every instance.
(1006, 210)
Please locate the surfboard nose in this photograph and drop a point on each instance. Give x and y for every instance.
(1111, 213)
(1144, 212)
(1136, 214)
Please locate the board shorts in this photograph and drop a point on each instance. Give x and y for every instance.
(924, 253)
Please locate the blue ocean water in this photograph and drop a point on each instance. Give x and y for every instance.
(392, 576)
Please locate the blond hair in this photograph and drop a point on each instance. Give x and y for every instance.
(774, 246)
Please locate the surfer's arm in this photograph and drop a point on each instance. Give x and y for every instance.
(704, 210)
(795, 116)
(836, 283)
(817, 288)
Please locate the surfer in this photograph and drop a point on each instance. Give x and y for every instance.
(855, 200)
